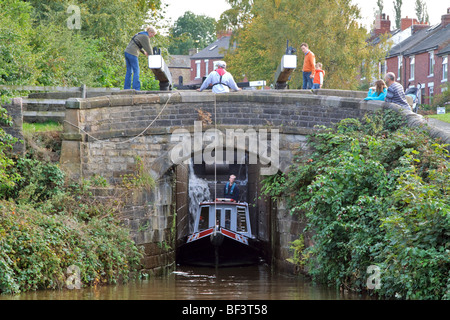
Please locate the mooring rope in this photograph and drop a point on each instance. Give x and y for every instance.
(128, 140)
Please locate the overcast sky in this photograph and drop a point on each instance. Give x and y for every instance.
(213, 8)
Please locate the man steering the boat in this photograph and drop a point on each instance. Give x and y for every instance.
(231, 189)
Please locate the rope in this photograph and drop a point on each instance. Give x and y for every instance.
(128, 140)
(215, 160)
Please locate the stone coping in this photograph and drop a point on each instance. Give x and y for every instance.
(327, 97)
(307, 97)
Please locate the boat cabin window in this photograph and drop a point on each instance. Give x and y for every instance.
(204, 219)
(227, 218)
(241, 220)
(218, 216)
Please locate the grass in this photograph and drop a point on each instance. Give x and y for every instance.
(42, 127)
(443, 117)
(43, 140)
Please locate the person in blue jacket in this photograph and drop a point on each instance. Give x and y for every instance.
(377, 93)
(231, 189)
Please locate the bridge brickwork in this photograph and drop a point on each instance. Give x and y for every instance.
(107, 135)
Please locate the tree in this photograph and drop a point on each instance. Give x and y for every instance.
(17, 62)
(38, 47)
(192, 31)
(329, 27)
(398, 12)
(235, 18)
(421, 11)
(380, 6)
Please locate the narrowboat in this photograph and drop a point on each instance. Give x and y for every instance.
(222, 236)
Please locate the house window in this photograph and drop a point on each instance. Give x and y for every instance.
(445, 69)
(400, 65)
(431, 64)
(206, 68)
(412, 67)
(383, 69)
(197, 75)
(430, 92)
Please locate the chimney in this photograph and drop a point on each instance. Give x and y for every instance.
(405, 23)
(445, 19)
(223, 33)
(382, 24)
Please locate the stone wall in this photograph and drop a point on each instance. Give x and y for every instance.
(149, 214)
(50, 106)
(15, 111)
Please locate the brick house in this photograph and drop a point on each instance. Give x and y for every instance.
(382, 26)
(422, 58)
(203, 62)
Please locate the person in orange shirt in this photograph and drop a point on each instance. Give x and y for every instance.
(308, 66)
(318, 76)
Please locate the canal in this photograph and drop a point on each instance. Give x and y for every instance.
(194, 283)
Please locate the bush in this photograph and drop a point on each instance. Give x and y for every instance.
(374, 193)
(47, 227)
(38, 181)
(36, 248)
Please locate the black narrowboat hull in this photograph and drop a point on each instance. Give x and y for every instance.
(224, 248)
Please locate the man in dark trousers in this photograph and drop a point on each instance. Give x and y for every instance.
(231, 189)
(139, 43)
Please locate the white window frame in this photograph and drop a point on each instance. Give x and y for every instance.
(412, 67)
(399, 67)
(198, 63)
(431, 64)
(430, 92)
(206, 67)
(444, 69)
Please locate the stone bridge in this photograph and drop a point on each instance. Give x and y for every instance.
(113, 136)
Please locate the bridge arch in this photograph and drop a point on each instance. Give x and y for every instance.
(104, 135)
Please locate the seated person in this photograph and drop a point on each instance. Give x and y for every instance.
(395, 93)
(378, 92)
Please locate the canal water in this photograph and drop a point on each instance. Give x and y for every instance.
(194, 283)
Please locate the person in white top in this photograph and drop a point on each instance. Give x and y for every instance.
(220, 80)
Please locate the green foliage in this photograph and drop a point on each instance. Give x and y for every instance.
(7, 178)
(338, 41)
(38, 48)
(298, 247)
(17, 62)
(36, 248)
(38, 181)
(140, 178)
(374, 193)
(442, 99)
(398, 12)
(46, 226)
(192, 31)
